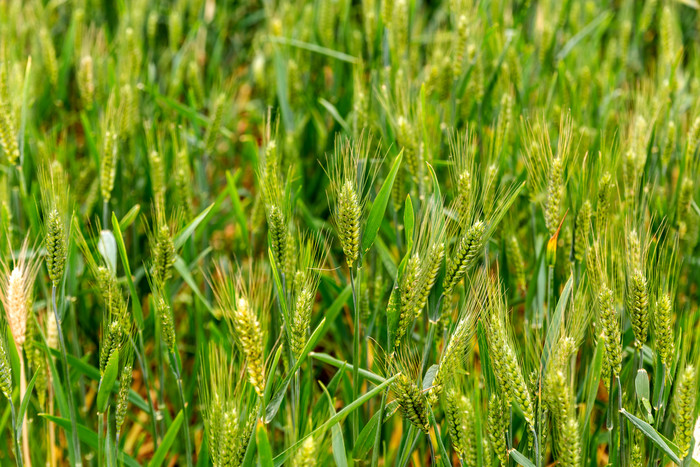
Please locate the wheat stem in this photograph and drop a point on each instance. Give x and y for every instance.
(71, 406)
(15, 437)
(186, 421)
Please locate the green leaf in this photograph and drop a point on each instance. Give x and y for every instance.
(641, 384)
(184, 272)
(280, 291)
(87, 436)
(94, 374)
(335, 308)
(25, 403)
(429, 377)
(652, 434)
(337, 418)
(129, 217)
(187, 231)
(264, 449)
(107, 382)
(236, 203)
(167, 441)
(520, 458)
(335, 114)
(554, 328)
(337, 441)
(325, 358)
(436, 184)
(107, 246)
(408, 222)
(315, 48)
(365, 440)
(135, 302)
(376, 214)
(279, 395)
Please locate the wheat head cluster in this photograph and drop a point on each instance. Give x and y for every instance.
(350, 232)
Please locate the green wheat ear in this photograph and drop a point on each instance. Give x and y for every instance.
(685, 402)
(663, 328)
(122, 397)
(610, 327)
(54, 200)
(461, 424)
(497, 423)
(5, 368)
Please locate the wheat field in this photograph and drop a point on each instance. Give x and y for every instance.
(336, 232)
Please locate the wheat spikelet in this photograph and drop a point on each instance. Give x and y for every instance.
(610, 329)
(663, 328)
(5, 369)
(497, 425)
(684, 409)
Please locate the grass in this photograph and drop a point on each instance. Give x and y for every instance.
(381, 232)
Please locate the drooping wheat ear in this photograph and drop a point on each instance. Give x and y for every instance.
(461, 424)
(497, 425)
(468, 249)
(583, 230)
(412, 403)
(610, 330)
(515, 260)
(16, 286)
(663, 329)
(122, 402)
(5, 368)
(217, 114)
(604, 202)
(685, 402)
